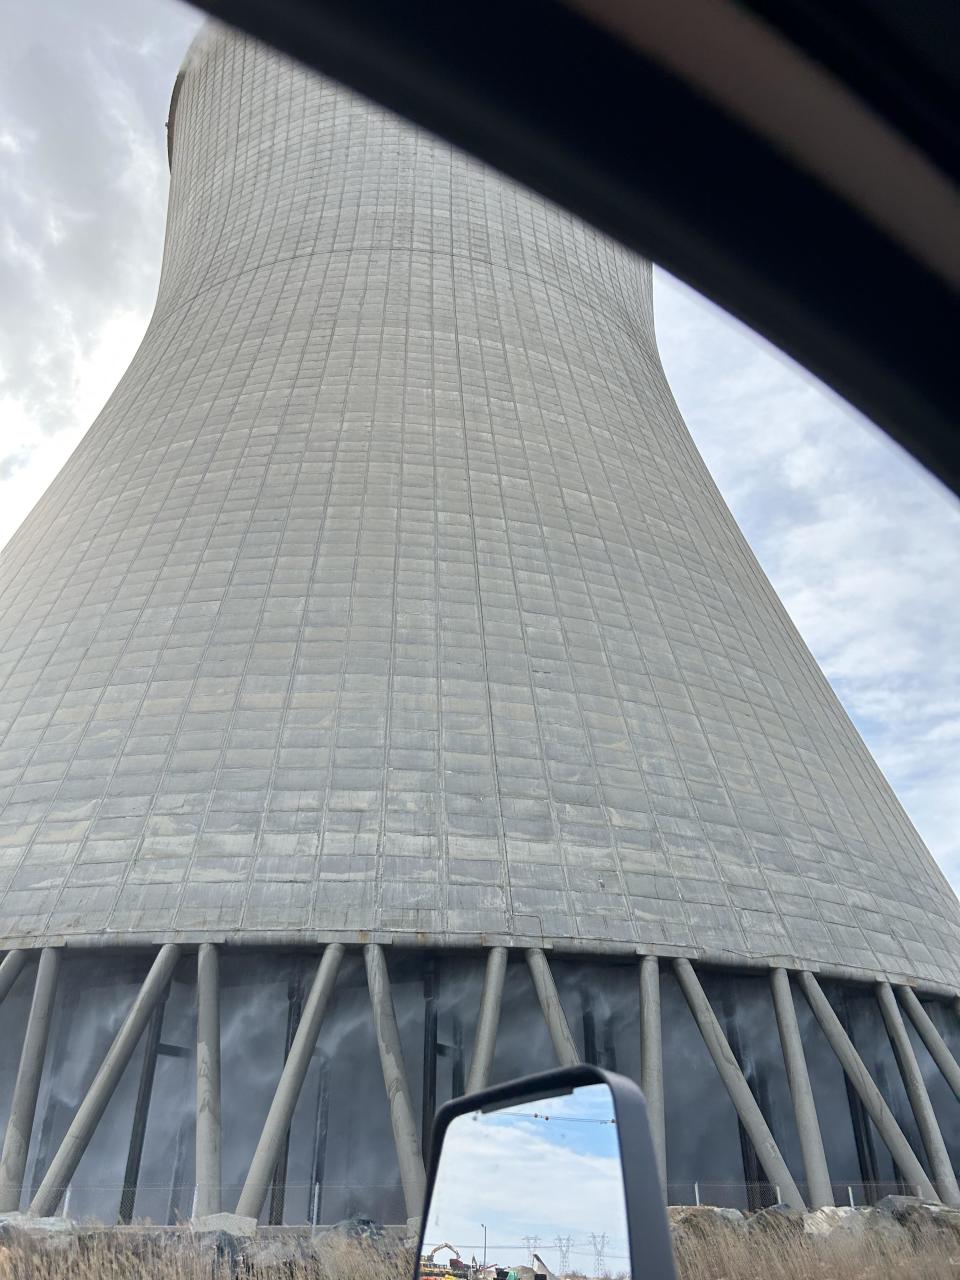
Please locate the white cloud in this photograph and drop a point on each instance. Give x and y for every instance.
(30, 457)
(83, 94)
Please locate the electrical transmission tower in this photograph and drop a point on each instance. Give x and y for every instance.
(599, 1248)
(531, 1244)
(563, 1244)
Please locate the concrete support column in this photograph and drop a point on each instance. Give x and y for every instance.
(64, 1164)
(10, 968)
(285, 1099)
(819, 1188)
(488, 1021)
(208, 1198)
(930, 1134)
(651, 1059)
(931, 1037)
(16, 1143)
(404, 1123)
(564, 1044)
(867, 1091)
(751, 1117)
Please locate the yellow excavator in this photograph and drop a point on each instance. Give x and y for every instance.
(454, 1269)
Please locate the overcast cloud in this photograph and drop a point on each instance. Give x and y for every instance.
(84, 92)
(862, 546)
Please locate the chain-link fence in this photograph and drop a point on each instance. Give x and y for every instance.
(305, 1205)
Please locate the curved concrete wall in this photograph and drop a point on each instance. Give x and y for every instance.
(389, 593)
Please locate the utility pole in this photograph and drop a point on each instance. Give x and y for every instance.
(484, 1225)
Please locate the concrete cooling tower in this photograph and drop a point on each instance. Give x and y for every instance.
(389, 704)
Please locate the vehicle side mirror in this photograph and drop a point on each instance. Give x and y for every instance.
(548, 1176)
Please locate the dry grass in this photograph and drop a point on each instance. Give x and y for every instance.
(729, 1256)
(166, 1255)
(744, 1257)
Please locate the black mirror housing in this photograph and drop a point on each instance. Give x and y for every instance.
(648, 1231)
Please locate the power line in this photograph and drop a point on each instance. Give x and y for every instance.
(542, 1115)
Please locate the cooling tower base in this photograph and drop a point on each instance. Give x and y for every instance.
(294, 1125)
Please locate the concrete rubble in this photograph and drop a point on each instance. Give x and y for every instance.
(894, 1219)
(232, 1237)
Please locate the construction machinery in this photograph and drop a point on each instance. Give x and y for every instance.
(454, 1268)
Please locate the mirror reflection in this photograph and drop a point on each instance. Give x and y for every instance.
(530, 1192)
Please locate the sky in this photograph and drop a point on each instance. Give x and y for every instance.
(532, 1173)
(861, 544)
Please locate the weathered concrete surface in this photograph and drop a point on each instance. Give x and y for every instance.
(235, 1224)
(923, 1220)
(831, 1219)
(47, 1233)
(396, 476)
(702, 1222)
(895, 1221)
(778, 1220)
